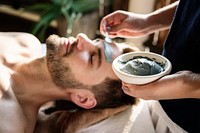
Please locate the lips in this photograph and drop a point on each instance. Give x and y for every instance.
(65, 46)
(68, 45)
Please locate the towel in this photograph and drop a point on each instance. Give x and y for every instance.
(136, 119)
(147, 117)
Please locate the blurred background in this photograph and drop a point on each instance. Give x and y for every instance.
(70, 17)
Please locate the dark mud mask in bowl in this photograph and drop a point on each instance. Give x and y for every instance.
(141, 67)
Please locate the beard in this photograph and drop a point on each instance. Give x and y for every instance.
(59, 69)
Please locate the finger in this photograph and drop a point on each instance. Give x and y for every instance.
(113, 35)
(131, 89)
(125, 88)
(105, 24)
(102, 30)
(110, 20)
(121, 30)
(125, 84)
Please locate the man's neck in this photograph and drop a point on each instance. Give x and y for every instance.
(32, 83)
(31, 86)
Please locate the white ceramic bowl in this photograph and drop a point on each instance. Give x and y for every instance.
(139, 80)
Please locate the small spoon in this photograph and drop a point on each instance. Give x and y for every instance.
(107, 46)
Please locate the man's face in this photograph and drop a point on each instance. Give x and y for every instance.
(81, 64)
(78, 59)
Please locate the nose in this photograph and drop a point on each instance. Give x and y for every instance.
(83, 42)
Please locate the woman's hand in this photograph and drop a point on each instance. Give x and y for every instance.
(128, 25)
(183, 84)
(124, 24)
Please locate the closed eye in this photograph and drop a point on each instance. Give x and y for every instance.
(96, 58)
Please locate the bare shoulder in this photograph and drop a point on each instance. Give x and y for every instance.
(20, 46)
(24, 39)
(28, 39)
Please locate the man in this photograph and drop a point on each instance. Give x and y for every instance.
(71, 70)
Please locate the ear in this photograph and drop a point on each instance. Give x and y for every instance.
(84, 99)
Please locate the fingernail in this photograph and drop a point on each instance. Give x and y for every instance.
(125, 88)
(108, 28)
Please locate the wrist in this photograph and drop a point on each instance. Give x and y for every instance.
(156, 23)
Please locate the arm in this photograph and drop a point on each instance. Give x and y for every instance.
(127, 24)
(183, 84)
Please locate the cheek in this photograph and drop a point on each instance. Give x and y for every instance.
(110, 73)
(78, 61)
(78, 64)
(80, 57)
(82, 71)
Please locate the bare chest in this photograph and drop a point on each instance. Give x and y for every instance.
(17, 115)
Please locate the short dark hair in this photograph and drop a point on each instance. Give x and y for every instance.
(108, 95)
